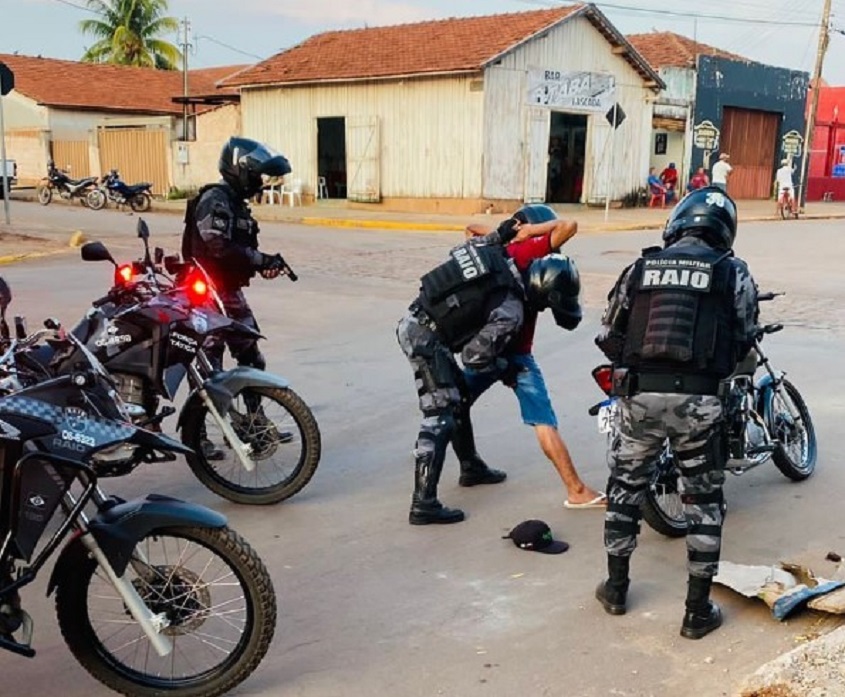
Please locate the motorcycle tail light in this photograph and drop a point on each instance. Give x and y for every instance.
(197, 288)
(603, 375)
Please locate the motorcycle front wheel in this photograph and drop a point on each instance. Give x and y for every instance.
(791, 427)
(213, 591)
(284, 437)
(45, 195)
(140, 203)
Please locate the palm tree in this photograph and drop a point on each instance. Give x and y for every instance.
(127, 32)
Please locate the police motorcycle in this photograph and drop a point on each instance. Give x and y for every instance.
(766, 418)
(154, 596)
(252, 439)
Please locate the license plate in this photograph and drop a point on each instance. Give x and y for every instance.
(607, 412)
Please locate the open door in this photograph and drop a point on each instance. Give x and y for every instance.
(363, 153)
(536, 156)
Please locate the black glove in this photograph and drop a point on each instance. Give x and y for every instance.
(271, 262)
(508, 372)
(507, 230)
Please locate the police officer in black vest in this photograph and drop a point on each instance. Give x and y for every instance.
(221, 234)
(677, 323)
(473, 305)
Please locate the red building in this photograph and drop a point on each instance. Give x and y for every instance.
(826, 168)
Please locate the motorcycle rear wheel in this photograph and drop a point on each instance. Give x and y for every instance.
(140, 202)
(45, 195)
(282, 466)
(95, 199)
(797, 449)
(211, 586)
(662, 508)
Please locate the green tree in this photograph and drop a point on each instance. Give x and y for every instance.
(127, 33)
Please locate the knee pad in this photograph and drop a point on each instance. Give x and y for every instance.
(438, 428)
(252, 357)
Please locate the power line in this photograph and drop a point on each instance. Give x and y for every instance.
(231, 48)
(78, 7)
(685, 15)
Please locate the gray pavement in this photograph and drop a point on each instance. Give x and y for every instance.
(370, 605)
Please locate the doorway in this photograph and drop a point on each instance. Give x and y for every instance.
(567, 151)
(331, 154)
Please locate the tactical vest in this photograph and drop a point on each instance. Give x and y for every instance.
(681, 317)
(244, 234)
(459, 294)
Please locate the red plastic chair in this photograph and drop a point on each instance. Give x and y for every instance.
(657, 198)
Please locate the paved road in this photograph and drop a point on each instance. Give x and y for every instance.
(370, 605)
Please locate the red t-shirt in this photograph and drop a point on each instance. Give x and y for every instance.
(523, 253)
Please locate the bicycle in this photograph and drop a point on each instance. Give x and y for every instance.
(787, 205)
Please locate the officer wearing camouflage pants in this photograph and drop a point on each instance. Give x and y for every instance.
(678, 321)
(472, 304)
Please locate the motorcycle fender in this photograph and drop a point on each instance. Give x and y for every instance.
(764, 389)
(118, 529)
(223, 386)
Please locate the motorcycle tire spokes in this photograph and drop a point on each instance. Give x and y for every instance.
(792, 427)
(285, 446)
(45, 195)
(140, 203)
(216, 598)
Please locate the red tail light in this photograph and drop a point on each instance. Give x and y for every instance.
(603, 375)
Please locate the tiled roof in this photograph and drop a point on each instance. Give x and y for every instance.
(103, 87)
(436, 47)
(666, 49)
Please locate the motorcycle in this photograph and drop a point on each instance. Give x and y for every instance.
(148, 331)
(114, 189)
(83, 189)
(154, 596)
(766, 419)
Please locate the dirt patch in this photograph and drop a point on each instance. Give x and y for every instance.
(15, 246)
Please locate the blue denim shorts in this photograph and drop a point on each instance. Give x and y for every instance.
(535, 405)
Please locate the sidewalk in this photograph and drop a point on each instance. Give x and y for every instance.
(338, 213)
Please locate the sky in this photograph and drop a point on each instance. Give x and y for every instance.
(228, 32)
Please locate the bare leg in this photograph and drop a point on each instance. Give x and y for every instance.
(555, 449)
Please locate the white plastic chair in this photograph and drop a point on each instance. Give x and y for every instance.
(271, 192)
(292, 192)
(322, 188)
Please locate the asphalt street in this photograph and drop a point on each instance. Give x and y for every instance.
(369, 605)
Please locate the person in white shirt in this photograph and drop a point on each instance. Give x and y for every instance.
(783, 177)
(721, 172)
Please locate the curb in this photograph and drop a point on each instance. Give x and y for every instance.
(13, 258)
(380, 224)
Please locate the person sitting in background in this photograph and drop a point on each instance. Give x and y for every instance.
(698, 180)
(669, 177)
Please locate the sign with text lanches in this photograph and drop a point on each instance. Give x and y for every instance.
(575, 91)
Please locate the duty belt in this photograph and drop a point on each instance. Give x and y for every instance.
(627, 383)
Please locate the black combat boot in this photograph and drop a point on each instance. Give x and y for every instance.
(613, 592)
(425, 508)
(702, 615)
(473, 469)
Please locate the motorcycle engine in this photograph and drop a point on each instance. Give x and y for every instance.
(119, 459)
(132, 390)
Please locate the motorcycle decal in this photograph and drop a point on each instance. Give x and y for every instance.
(8, 431)
(183, 343)
(110, 337)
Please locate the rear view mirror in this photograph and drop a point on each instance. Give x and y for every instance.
(96, 251)
(5, 295)
(143, 230)
(158, 255)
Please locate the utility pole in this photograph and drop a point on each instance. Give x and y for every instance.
(824, 39)
(184, 46)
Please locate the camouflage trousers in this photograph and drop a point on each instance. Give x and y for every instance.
(243, 349)
(693, 426)
(436, 375)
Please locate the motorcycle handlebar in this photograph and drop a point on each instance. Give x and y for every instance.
(762, 297)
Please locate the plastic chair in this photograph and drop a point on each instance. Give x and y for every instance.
(322, 188)
(658, 197)
(271, 191)
(292, 192)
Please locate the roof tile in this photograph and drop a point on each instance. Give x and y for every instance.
(440, 46)
(105, 87)
(666, 49)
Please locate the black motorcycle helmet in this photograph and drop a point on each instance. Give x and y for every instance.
(707, 213)
(534, 213)
(243, 163)
(553, 282)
